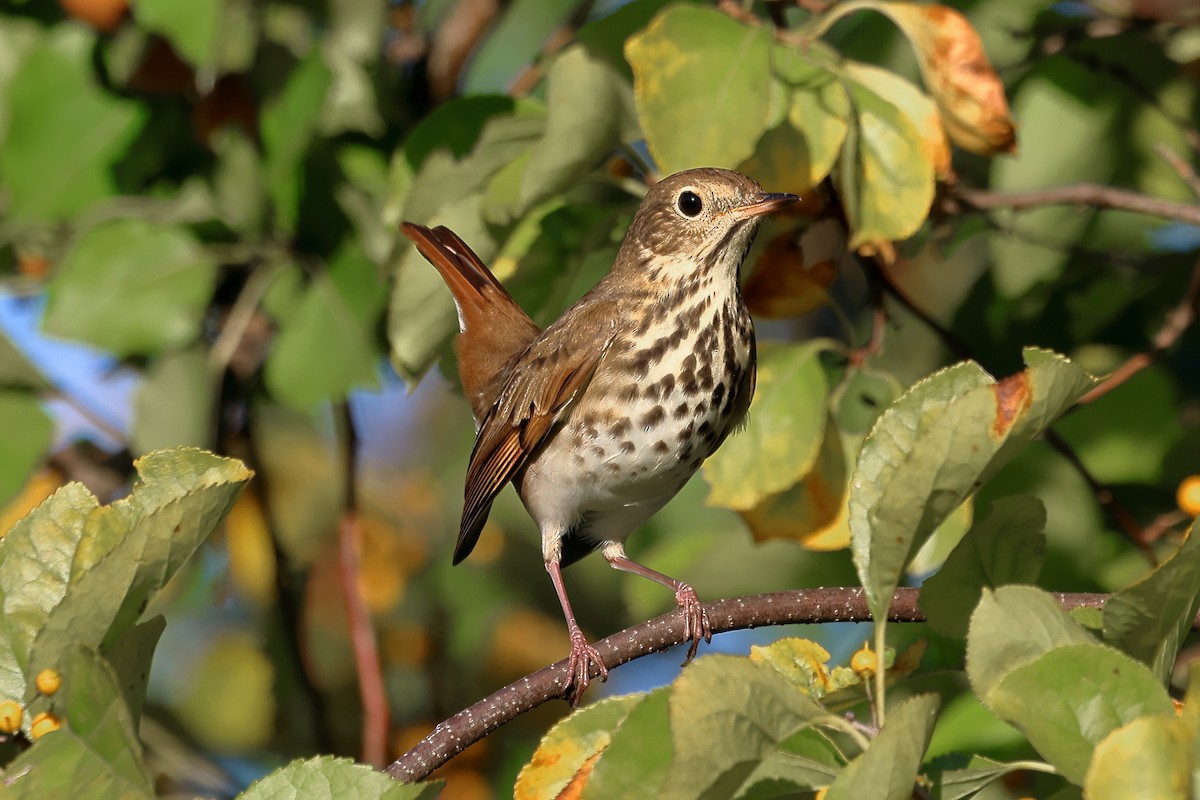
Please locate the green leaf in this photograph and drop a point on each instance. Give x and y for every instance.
(1008, 547)
(589, 106)
(1150, 757)
(888, 769)
(72, 572)
(800, 147)
(131, 287)
(889, 160)
(219, 35)
(130, 655)
(288, 123)
(966, 781)
(238, 181)
(96, 751)
(782, 774)
(1011, 627)
(784, 434)
(28, 433)
(48, 171)
(606, 36)
(455, 126)
(174, 405)
(326, 348)
(698, 84)
(566, 754)
(327, 776)
(635, 762)
(935, 446)
(1070, 698)
(1150, 619)
(727, 714)
(18, 38)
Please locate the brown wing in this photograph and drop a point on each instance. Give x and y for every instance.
(542, 385)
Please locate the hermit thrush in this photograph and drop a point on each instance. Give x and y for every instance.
(601, 418)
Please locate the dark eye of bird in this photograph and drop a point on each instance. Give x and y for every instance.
(690, 204)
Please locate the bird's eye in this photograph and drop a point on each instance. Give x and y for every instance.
(690, 204)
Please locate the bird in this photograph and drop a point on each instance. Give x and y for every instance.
(602, 417)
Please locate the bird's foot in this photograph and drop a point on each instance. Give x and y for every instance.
(579, 667)
(695, 619)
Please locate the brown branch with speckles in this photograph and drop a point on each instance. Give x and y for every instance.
(739, 613)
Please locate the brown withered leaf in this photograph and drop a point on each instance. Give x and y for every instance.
(957, 73)
(968, 93)
(793, 272)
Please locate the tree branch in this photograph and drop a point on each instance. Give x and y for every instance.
(739, 613)
(1080, 194)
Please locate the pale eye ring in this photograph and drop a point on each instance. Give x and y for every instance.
(690, 204)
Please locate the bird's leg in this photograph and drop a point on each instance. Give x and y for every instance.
(695, 618)
(583, 655)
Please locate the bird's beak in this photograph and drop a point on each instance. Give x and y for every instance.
(765, 204)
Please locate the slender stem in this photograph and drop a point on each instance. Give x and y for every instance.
(880, 673)
(362, 632)
(1034, 766)
(850, 729)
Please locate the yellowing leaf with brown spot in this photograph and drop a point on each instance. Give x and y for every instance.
(812, 512)
(890, 158)
(564, 759)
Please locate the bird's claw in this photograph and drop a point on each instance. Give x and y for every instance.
(579, 667)
(695, 619)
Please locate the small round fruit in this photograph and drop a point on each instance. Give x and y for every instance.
(48, 681)
(863, 662)
(11, 714)
(44, 723)
(1188, 495)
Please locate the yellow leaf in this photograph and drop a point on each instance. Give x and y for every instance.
(36, 489)
(251, 553)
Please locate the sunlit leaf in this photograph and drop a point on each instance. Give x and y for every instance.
(698, 78)
(1149, 757)
(73, 572)
(784, 432)
(214, 34)
(326, 776)
(889, 159)
(1067, 700)
(1150, 619)
(907, 481)
(97, 748)
(635, 761)
(1011, 627)
(566, 755)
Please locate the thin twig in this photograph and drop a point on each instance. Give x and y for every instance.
(1175, 323)
(1181, 167)
(362, 632)
(1094, 195)
(803, 606)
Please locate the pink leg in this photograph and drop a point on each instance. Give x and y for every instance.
(583, 656)
(695, 618)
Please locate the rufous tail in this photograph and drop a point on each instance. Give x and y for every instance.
(494, 328)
